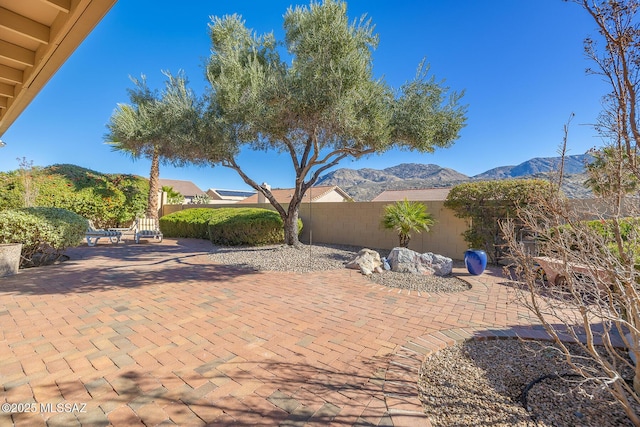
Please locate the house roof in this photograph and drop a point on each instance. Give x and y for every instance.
(186, 188)
(37, 37)
(418, 194)
(283, 195)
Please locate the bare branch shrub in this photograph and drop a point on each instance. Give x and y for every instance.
(592, 248)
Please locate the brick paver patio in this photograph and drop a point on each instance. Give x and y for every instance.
(155, 334)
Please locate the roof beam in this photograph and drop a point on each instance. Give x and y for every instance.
(7, 90)
(4, 102)
(24, 26)
(61, 5)
(11, 74)
(17, 53)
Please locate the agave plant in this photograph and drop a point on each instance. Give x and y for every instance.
(406, 217)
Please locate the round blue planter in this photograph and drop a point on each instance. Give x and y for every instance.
(476, 261)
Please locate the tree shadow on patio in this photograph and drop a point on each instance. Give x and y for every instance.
(132, 267)
(223, 392)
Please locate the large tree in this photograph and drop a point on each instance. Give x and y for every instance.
(318, 107)
(149, 126)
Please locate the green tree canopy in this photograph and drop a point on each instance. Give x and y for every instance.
(318, 107)
(149, 126)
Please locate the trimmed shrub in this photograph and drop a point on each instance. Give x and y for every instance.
(193, 223)
(44, 232)
(247, 226)
(487, 203)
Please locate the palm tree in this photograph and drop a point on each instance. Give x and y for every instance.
(150, 126)
(405, 217)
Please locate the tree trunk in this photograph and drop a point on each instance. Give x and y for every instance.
(291, 227)
(154, 186)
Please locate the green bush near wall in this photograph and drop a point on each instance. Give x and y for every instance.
(191, 223)
(226, 226)
(247, 226)
(44, 232)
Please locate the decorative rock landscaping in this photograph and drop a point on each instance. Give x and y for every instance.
(405, 260)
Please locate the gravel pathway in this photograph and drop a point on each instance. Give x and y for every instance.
(326, 257)
(480, 383)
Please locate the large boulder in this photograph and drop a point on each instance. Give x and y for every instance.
(367, 261)
(441, 265)
(405, 260)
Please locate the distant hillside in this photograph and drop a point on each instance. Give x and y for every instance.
(572, 165)
(365, 184)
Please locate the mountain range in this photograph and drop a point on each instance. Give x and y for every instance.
(365, 184)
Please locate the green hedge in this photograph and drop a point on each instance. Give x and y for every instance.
(247, 226)
(193, 223)
(44, 232)
(226, 226)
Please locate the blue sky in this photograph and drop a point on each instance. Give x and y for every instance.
(520, 63)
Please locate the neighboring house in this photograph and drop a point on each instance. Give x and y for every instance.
(314, 194)
(187, 188)
(228, 196)
(418, 194)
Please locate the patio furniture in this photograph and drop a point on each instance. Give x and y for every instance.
(126, 231)
(94, 234)
(555, 270)
(147, 228)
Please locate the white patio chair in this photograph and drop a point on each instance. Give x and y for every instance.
(147, 228)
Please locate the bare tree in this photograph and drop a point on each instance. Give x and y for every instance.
(595, 297)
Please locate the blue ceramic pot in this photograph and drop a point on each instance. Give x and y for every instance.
(476, 261)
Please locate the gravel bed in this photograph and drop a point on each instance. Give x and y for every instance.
(480, 383)
(326, 257)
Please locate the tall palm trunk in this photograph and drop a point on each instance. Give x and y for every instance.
(154, 185)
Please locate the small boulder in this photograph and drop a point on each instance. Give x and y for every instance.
(367, 261)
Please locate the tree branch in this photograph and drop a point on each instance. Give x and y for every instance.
(231, 163)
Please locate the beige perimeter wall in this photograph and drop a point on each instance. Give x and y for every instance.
(358, 224)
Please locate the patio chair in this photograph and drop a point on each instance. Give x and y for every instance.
(126, 231)
(147, 228)
(94, 234)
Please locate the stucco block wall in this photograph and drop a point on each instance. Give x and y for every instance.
(358, 224)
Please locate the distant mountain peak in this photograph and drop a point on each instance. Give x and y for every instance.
(366, 183)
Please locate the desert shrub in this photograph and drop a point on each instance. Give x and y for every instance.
(201, 199)
(44, 232)
(487, 203)
(246, 226)
(193, 223)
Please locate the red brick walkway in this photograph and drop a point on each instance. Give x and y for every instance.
(155, 334)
